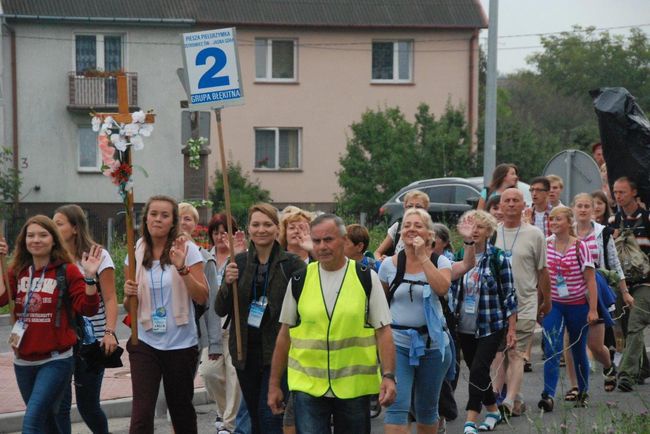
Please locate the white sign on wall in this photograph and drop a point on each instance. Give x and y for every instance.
(212, 68)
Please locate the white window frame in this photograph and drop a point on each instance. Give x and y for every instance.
(396, 71)
(99, 49)
(277, 167)
(268, 78)
(87, 169)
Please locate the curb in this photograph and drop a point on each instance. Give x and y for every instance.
(114, 408)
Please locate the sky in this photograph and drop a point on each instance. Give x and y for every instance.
(517, 17)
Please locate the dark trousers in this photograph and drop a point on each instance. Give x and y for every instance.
(313, 415)
(479, 354)
(644, 372)
(177, 369)
(254, 384)
(87, 385)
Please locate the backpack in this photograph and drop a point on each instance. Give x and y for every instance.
(82, 327)
(398, 234)
(634, 261)
(363, 273)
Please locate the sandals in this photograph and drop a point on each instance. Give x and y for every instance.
(572, 395)
(491, 421)
(610, 378)
(546, 403)
(582, 401)
(470, 428)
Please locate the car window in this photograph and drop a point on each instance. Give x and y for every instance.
(439, 193)
(463, 193)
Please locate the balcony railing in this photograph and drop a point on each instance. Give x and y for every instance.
(99, 90)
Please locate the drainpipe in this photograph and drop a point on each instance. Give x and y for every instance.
(473, 147)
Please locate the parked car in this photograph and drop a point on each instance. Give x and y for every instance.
(449, 198)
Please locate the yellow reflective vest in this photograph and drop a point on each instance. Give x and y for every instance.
(337, 353)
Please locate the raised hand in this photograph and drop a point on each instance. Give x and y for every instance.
(305, 237)
(4, 248)
(466, 228)
(239, 240)
(178, 251)
(90, 261)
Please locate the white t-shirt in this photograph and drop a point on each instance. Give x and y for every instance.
(99, 319)
(392, 233)
(160, 285)
(378, 312)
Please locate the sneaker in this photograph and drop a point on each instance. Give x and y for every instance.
(218, 423)
(442, 425)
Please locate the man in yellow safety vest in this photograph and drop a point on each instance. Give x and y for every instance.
(334, 319)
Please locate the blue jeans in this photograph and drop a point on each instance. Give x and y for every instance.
(42, 387)
(427, 380)
(574, 317)
(313, 414)
(243, 420)
(87, 386)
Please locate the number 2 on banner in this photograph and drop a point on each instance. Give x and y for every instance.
(209, 79)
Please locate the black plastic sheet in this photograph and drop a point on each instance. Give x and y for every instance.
(625, 135)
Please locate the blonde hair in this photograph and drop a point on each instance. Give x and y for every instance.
(483, 218)
(425, 218)
(292, 217)
(417, 194)
(188, 208)
(555, 178)
(566, 212)
(579, 196)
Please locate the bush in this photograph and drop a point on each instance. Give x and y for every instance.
(118, 253)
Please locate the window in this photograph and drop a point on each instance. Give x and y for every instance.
(98, 52)
(277, 148)
(439, 194)
(463, 194)
(392, 61)
(88, 151)
(275, 60)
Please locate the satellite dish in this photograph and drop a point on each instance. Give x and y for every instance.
(578, 170)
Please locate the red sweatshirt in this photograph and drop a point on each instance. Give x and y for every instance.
(42, 336)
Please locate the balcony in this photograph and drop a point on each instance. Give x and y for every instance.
(98, 90)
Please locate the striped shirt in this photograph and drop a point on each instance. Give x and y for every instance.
(592, 245)
(569, 268)
(99, 319)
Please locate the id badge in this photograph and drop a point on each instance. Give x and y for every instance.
(17, 333)
(470, 304)
(159, 323)
(255, 314)
(562, 288)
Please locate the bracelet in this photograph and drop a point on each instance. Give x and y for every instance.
(390, 376)
(469, 243)
(109, 332)
(183, 271)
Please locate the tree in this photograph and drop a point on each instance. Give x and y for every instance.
(243, 193)
(387, 152)
(10, 182)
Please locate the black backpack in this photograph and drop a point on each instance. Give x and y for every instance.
(398, 234)
(363, 273)
(399, 279)
(75, 320)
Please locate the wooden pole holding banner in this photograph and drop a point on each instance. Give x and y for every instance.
(5, 276)
(123, 108)
(226, 193)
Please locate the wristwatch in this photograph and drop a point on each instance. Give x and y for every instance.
(390, 376)
(90, 281)
(469, 243)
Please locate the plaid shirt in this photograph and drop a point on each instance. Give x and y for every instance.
(546, 230)
(493, 308)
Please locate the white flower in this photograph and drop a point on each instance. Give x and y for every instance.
(96, 123)
(119, 142)
(138, 116)
(131, 129)
(137, 142)
(146, 130)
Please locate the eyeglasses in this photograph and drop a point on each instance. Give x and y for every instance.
(538, 190)
(409, 206)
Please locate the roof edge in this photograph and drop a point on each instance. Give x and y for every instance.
(103, 20)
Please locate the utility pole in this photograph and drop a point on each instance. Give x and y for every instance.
(490, 149)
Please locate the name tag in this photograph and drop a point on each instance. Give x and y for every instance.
(470, 304)
(159, 323)
(256, 312)
(17, 333)
(562, 288)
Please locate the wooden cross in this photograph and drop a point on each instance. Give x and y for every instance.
(124, 117)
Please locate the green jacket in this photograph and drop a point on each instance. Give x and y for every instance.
(281, 268)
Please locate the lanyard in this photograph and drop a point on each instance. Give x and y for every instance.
(512, 246)
(30, 288)
(153, 286)
(266, 282)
